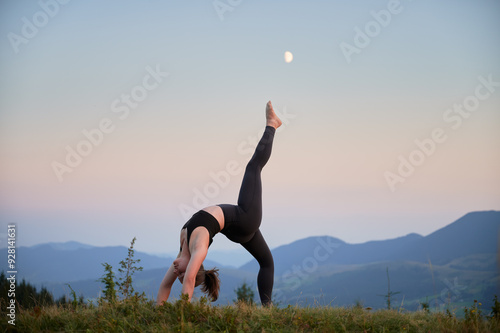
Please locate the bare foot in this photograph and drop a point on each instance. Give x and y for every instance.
(271, 117)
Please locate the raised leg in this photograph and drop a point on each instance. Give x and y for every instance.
(250, 196)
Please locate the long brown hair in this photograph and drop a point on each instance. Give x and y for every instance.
(210, 282)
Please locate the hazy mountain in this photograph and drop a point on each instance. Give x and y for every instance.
(452, 266)
(441, 286)
(230, 258)
(73, 261)
(474, 233)
(148, 282)
(67, 246)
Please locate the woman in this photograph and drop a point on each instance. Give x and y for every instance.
(238, 223)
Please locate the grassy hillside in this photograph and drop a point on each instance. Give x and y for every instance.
(181, 316)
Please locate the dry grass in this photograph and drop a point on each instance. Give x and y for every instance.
(182, 316)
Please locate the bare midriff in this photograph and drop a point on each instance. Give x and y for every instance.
(216, 212)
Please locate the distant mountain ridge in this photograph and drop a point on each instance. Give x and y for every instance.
(42, 263)
(474, 233)
(454, 264)
(66, 246)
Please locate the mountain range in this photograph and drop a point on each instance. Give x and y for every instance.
(448, 268)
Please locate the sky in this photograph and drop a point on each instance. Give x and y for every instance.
(120, 119)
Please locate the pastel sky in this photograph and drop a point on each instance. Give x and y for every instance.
(391, 112)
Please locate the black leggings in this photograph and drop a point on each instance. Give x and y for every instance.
(242, 222)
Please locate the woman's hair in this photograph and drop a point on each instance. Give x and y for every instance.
(210, 283)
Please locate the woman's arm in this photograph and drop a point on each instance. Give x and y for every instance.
(197, 257)
(166, 285)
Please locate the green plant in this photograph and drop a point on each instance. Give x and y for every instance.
(495, 309)
(244, 294)
(109, 283)
(358, 304)
(473, 316)
(127, 269)
(425, 305)
(26, 294)
(390, 293)
(124, 284)
(75, 302)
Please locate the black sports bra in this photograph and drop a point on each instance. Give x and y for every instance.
(202, 219)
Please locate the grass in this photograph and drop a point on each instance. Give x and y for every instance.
(181, 316)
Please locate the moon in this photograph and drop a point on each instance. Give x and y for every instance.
(288, 57)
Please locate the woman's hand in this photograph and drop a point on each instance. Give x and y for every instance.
(166, 285)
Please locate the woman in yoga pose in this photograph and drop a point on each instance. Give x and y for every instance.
(239, 223)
